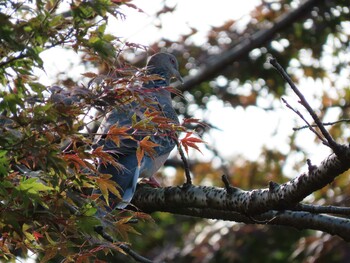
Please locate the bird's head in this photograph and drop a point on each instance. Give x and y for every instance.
(165, 65)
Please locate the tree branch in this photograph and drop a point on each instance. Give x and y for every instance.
(185, 164)
(249, 202)
(242, 49)
(330, 142)
(298, 219)
(311, 127)
(204, 201)
(329, 209)
(323, 123)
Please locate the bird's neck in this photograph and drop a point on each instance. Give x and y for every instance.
(163, 82)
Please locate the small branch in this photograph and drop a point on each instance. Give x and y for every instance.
(99, 230)
(310, 166)
(298, 219)
(186, 165)
(323, 123)
(317, 209)
(10, 60)
(226, 182)
(331, 143)
(229, 189)
(134, 255)
(307, 123)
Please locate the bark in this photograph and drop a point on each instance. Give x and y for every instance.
(277, 204)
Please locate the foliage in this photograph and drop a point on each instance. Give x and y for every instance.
(46, 159)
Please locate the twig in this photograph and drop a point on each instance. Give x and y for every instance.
(229, 188)
(99, 230)
(323, 123)
(317, 209)
(10, 60)
(331, 143)
(185, 162)
(307, 123)
(134, 255)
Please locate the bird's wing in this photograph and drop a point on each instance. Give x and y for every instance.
(125, 153)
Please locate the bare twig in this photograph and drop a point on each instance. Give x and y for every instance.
(307, 123)
(185, 162)
(99, 230)
(330, 142)
(323, 123)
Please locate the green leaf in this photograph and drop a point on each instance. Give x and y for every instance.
(89, 210)
(87, 224)
(4, 163)
(33, 186)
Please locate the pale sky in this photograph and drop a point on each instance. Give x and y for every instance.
(140, 27)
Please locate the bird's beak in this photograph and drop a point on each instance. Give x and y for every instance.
(176, 74)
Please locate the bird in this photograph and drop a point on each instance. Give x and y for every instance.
(164, 65)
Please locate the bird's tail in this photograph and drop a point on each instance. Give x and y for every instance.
(129, 190)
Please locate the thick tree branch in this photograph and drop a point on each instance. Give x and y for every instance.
(252, 204)
(298, 219)
(242, 49)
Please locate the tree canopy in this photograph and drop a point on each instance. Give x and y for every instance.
(211, 208)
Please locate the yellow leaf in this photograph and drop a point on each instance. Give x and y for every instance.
(107, 185)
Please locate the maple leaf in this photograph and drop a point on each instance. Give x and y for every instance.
(75, 160)
(124, 227)
(106, 157)
(191, 120)
(107, 185)
(145, 146)
(190, 141)
(37, 235)
(175, 91)
(116, 133)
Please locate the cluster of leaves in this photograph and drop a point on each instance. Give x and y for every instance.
(29, 28)
(47, 164)
(48, 160)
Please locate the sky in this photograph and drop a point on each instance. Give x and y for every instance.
(140, 27)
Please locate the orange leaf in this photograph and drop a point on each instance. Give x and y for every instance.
(37, 235)
(145, 146)
(148, 146)
(106, 157)
(139, 155)
(189, 141)
(75, 160)
(116, 133)
(89, 75)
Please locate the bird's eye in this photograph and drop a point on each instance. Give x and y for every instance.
(172, 61)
